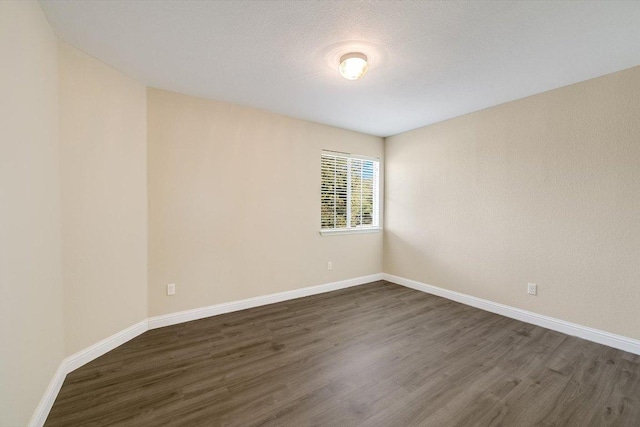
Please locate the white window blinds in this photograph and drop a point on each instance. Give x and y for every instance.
(350, 192)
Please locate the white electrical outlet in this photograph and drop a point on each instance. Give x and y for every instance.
(532, 289)
(329, 265)
(171, 289)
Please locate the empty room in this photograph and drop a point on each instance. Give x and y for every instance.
(319, 213)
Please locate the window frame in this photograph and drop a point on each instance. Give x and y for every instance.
(376, 193)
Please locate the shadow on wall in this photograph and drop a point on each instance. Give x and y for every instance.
(411, 260)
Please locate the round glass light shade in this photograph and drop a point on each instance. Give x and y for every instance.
(353, 65)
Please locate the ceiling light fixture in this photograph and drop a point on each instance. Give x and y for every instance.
(353, 65)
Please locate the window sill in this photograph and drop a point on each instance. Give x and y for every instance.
(340, 231)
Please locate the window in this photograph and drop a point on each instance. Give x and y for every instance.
(350, 193)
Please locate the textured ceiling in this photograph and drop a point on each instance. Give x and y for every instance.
(430, 61)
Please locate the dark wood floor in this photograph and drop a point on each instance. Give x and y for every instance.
(372, 355)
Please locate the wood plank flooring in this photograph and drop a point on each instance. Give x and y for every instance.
(372, 355)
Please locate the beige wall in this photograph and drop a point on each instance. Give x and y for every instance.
(31, 332)
(234, 206)
(543, 190)
(104, 199)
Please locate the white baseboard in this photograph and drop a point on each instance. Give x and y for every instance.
(96, 350)
(44, 407)
(228, 307)
(601, 337)
(78, 359)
